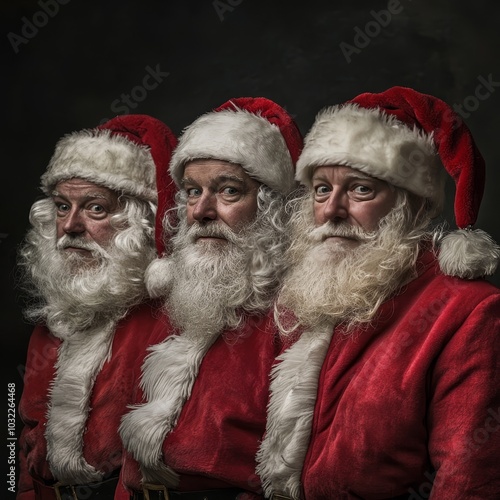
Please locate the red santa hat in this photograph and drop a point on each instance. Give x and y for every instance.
(129, 153)
(410, 140)
(255, 133)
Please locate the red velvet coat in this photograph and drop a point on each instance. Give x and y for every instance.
(221, 421)
(413, 400)
(112, 391)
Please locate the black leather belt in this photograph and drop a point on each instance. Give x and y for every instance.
(159, 492)
(91, 491)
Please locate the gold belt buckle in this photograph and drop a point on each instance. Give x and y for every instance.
(58, 493)
(147, 487)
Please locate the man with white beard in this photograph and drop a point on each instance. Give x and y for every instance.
(390, 385)
(83, 263)
(205, 387)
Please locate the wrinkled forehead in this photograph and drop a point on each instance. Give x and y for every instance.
(209, 170)
(82, 187)
(344, 172)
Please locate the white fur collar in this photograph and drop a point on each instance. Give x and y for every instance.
(80, 358)
(293, 390)
(168, 375)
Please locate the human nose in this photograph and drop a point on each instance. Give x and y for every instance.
(205, 209)
(73, 222)
(336, 208)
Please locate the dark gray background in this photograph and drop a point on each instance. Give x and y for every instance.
(71, 71)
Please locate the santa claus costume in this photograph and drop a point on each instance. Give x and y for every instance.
(407, 406)
(77, 384)
(198, 431)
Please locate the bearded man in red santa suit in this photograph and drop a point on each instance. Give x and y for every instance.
(206, 386)
(390, 386)
(83, 263)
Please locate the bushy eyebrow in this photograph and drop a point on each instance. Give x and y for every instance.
(349, 176)
(359, 175)
(229, 177)
(88, 195)
(187, 180)
(220, 178)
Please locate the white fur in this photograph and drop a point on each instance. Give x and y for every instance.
(80, 358)
(238, 137)
(168, 375)
(294, 385)
(158, 276)
(377, 144)
(468, 254)
(110, 160)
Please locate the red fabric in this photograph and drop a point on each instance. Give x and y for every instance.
(221, 424)
(416, 394)
(276, 115)
(455, 144)
(148, 131)
(113, 390)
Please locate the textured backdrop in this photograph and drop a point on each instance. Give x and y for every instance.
(71, 64)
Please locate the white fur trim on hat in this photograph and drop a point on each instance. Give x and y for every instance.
(239, 137)
(109, 160)
(378, 144)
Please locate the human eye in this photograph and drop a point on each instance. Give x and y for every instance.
(96, 208)
(97, 211)
(193, 192)
(362, 192)
(321, 191)
(230, 191)
(362, 189)
(62, 207)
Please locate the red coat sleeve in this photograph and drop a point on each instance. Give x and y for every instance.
(464, 411)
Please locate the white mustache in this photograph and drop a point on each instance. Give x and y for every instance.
(67, 241)
(213, 230)
(327, 230)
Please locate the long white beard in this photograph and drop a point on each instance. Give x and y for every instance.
(331, 284)
(212, 286)
(72, 294)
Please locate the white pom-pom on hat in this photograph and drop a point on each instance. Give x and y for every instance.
(158, 277)
(468, 254)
